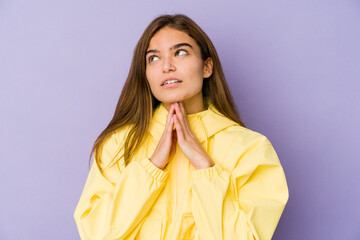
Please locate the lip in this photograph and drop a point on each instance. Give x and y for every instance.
(170, 78)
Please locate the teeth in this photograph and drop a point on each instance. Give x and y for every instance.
(171, 81)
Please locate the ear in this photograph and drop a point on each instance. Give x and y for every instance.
(208, 67)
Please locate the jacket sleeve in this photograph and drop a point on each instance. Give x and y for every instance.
(245, 203)
(115, 200)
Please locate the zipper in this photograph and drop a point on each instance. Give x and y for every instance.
(178, 192)
(179, 204)
(178, 182)
(175, 218)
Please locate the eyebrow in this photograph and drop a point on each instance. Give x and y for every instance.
(176, 46)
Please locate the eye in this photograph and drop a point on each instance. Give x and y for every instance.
(181, 52)
(152, 58)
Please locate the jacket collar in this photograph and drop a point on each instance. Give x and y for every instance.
(204, 124)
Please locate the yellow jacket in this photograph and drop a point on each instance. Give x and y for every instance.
(241, 197)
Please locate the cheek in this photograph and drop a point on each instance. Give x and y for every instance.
(150, 77)
(197, 68)
(148, 73)
(196, 71)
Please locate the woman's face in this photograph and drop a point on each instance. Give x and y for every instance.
(174, 55)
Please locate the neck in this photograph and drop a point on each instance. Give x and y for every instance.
(191, 107)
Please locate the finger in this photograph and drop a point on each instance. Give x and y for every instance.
(169, 113)
(182, 107)
(169, 127)
(184, 121)
(183, 110)
(180, 115)
(179, 129)
(169, 116)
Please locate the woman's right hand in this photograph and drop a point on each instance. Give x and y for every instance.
(167, 143)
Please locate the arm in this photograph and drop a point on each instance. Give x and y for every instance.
(244, 204)
(115, 200)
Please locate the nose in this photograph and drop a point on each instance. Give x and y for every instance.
(168, 65)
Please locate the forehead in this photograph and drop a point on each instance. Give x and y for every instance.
(168, 37)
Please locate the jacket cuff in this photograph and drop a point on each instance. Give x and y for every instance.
(208, 173)
(154, 171)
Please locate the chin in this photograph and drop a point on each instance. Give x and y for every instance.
(171, 99)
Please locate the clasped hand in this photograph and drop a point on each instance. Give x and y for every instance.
(182, 135)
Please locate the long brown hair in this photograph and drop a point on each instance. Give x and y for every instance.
(137, 103)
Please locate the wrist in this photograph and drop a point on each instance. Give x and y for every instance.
(205, 163)
(160, 166)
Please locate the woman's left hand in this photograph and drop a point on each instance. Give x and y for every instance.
(188, 141)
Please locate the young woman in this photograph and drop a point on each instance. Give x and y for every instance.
(176, 162)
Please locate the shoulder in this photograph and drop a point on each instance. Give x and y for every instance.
(112, 146)
(239, 145)
(239, 135)
(230, 131)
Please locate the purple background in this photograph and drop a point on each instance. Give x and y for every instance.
(293, 68)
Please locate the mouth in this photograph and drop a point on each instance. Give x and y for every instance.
(171, 82)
